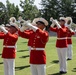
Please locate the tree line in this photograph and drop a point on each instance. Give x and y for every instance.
(49, 8)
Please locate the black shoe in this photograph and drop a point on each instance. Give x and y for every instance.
(62, 72)
(69, 59)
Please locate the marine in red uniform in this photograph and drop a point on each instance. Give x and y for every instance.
(61, 43)
(37, 39)
(69, 41)
(9, 48)
(70, 33)
(29, 31)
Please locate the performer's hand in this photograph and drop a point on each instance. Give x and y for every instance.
(75, 31)
(56, 22)
(23, 28)
(3, 29)
(20, 19)
(71, 29)
(26, 24)
(51, 19)
(53, 24)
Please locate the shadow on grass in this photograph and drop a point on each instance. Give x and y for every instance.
(1, 62)
(0, 54)
(22, 50)
(24, 56)
(24, 42)
(21, 67)
(55, 61)
(74, 70)
(55, 74)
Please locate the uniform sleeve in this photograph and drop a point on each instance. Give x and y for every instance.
(2, 35)
(44, 36)
(72, 33)
(13, 37)
(53, 29)
(24, 34)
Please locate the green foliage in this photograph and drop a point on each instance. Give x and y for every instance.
(57, 8)
(30, 11)
(67, 7)
(12, 10)
(8, 11)
(50, 8)
(2, 12)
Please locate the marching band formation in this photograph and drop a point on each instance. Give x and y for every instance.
(37, 38)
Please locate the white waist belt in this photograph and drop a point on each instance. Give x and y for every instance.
(37, 48)
(10, 46)
(68, 37)
(62, 38)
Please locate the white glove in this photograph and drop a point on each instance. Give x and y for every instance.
(75, 30)
(29, 25)
(71, 29)
(23, 23)
(2, 25)
(52, 25)
(56, 22)
(20, 20)
(18, 24)
(3, 29)
(51, 19)
(23, 28)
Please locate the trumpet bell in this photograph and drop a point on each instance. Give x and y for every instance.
(73, 26)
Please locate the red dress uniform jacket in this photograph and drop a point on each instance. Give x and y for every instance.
(37, 39)
(9, 40)
(69, 35)
(61, 33)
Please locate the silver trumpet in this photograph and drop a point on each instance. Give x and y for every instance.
(69, 23)
(73, 26)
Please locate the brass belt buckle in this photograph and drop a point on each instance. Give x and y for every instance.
(34, 48)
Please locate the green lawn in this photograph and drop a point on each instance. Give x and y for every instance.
(52, 67)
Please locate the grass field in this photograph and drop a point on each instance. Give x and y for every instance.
(52, 67)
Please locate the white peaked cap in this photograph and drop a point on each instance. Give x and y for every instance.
(15, 25)
(40, 19)
(62, 18)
